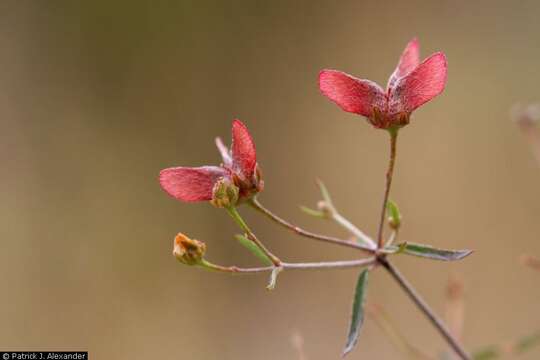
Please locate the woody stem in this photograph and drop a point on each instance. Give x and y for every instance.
(251, 236)
(389, 174)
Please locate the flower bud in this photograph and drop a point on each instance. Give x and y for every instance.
(394, 216)
(325, 209)
(224, 193)
(188, 251)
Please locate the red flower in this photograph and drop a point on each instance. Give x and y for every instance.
(411, 85)
(239, 168)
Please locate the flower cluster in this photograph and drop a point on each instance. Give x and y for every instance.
(238, 180)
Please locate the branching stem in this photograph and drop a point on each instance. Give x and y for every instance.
(251, 236)
(330, 239)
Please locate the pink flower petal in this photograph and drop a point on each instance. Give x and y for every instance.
(421, 85)
(225, 153)
(351, 94)
(244, 156)
(409, 60)
(190, 184)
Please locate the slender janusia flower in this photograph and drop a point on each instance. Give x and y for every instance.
(411, 84)
(237, 178)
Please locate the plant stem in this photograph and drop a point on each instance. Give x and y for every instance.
(258, 206)
(424, 307)
(393, 237)
(389, 174)
(339, 219)
(345, 264)
(251, 236)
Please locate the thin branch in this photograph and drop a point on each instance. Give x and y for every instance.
(327, 265)
(297, 341)
(330, 239)
(424, 307)
(527, 118)
(392, 238)
(338, 218)
(455, 307)
(251, 236)
(389, 175)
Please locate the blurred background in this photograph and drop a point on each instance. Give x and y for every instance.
(98, 96)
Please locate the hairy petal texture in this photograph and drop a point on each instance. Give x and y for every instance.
(244, 156)
(353, 95)
(409, 60)
(420, 86)
(191, 184)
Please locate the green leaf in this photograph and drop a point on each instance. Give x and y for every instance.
(251, 246)
(394, 216)
(427, 251)
(312, 212)
(357, 317)
(325, 193)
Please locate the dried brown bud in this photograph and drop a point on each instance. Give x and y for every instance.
(188, 251)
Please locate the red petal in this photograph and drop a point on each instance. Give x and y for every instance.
(190, 184)
(409, 60)
(421, 85)
(244, 156)
(351, 94)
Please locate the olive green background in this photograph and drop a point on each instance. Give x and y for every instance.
(97, 96)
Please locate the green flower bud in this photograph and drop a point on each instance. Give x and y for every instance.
(224, 194)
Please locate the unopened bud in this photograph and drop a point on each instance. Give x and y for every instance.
(188, 251)
(224, 193)
(325, 208)
(394, 216)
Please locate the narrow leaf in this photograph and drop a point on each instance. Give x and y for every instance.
(251, 246)
(427, 251)
(312, 212)
(325, 193)
(357, 317)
